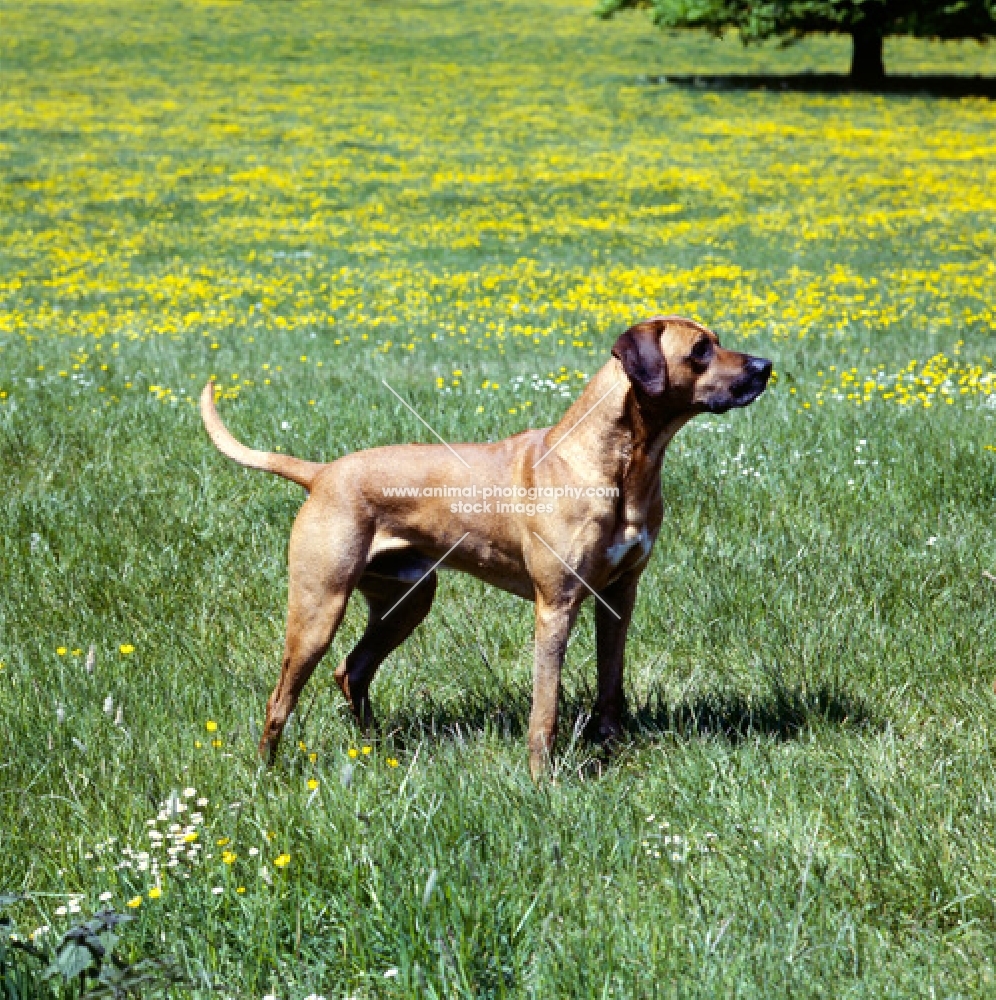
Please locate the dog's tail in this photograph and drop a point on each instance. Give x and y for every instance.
(297, 470)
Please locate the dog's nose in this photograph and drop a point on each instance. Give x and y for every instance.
(759, 366)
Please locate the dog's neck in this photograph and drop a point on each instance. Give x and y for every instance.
(632, 438)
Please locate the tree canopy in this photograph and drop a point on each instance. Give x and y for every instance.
(868, 22)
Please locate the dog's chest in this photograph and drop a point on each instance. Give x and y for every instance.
(631, 548)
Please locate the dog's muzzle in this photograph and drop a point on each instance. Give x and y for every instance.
(746, 388)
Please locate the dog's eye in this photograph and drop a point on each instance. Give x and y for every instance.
(702, 351)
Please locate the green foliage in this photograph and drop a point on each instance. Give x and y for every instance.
(757, 20)
(81, 964)
(21, 963)
(86, 948)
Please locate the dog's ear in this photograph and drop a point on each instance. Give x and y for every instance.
(639, 350)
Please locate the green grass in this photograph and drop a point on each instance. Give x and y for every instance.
(491, 191)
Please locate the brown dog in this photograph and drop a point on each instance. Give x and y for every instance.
(383, 521)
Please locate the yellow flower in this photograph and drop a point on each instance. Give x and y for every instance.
(222, 841)
(241, 889)
(367, 750)
(155, 892)
(62, 651)
(190, 837)
(77, 652)
(126, 649)
(135, 903)
(312, 757)
(312, 784)
(216, 743)
(392, 761)
(198, 744)
(353, 752)
(281, 861)
(302, 746)
(229, 857)
(211, 726)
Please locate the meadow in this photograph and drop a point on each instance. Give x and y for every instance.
(472, 201)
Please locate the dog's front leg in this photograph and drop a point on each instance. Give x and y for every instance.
(553, 628)
(612, 620)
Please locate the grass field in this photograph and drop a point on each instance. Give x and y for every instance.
(472, 201)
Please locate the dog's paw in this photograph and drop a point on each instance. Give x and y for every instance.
(601, 729)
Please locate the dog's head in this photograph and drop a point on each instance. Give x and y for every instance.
(675, 365)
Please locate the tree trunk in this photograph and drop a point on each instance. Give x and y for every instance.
(867, 63)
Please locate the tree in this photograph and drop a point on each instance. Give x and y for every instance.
(868, 22)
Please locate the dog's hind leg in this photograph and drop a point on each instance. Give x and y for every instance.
(395, 611)
(325, 565)
(312, 621)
